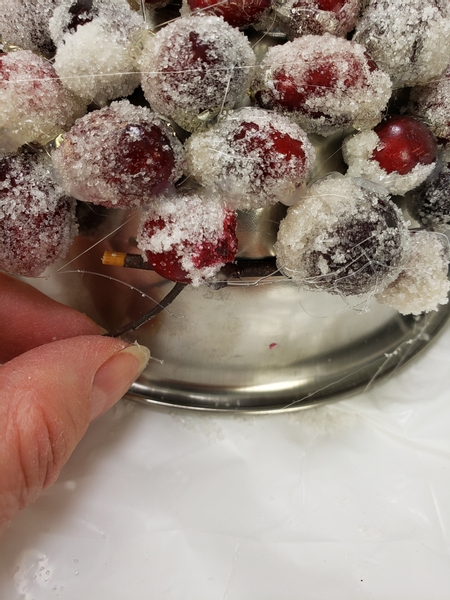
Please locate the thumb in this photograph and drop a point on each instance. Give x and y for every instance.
(48, 396)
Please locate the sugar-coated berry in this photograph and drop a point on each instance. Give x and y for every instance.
(188, 237)
(253, 157)
(96, 48)
(34, 106)
(324, 83)
(404, 142)
(238, 13)
(195, 67)
(121, 156)
(399, 153)
(37, 219)
(429, 203)
(302, 17)
(431, 103)
(422, 284)
(25, 24)
(344, 237)
(409, 39)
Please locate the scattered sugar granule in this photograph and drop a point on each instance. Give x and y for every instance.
(120, 156)
(345, 236)
(423, 284)
(195, 67)
(253, 157)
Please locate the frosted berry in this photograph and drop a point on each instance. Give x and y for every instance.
(253, 157)
(422, 283)
(120, 156)
(324, 83)
(194, 67)
(238, 13)
(400, 153)
(37, 220)
(429, 203)
(188, 237)
(410, 39)
(25, 24)
(431, 103)
(404, 143)
(34, 106)
(96, 46)
(343, 237)
(302, 17)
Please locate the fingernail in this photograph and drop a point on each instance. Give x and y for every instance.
(115, 376)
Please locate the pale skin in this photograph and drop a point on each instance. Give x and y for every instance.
(57, 374)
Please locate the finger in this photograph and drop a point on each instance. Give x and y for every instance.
(48, 397)
(29, 319)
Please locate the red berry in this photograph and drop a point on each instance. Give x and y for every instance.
(195, 67)
(404, 144)
(120, 156)
(203, 254)
(325, 83)
(188, 238)
(260, 157)
(238, 13)
(37, 221)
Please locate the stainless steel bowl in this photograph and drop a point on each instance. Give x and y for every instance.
(256, 345)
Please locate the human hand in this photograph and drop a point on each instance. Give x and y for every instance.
(58, 374)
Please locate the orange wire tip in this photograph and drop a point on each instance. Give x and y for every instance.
(114, 259)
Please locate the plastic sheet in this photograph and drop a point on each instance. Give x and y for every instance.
(347, 500)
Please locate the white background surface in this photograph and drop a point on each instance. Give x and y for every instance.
(347, 500)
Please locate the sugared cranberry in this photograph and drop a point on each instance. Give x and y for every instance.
(301, 17)
(204, 254)
(188, 238)
(34, 106)
(342, 237)
(404, 143)
(260, 157)
(325, 83)
(430, 103)
(120, 156)
(238, 13)
(37, 221)
(429, 203)
(195, 67)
